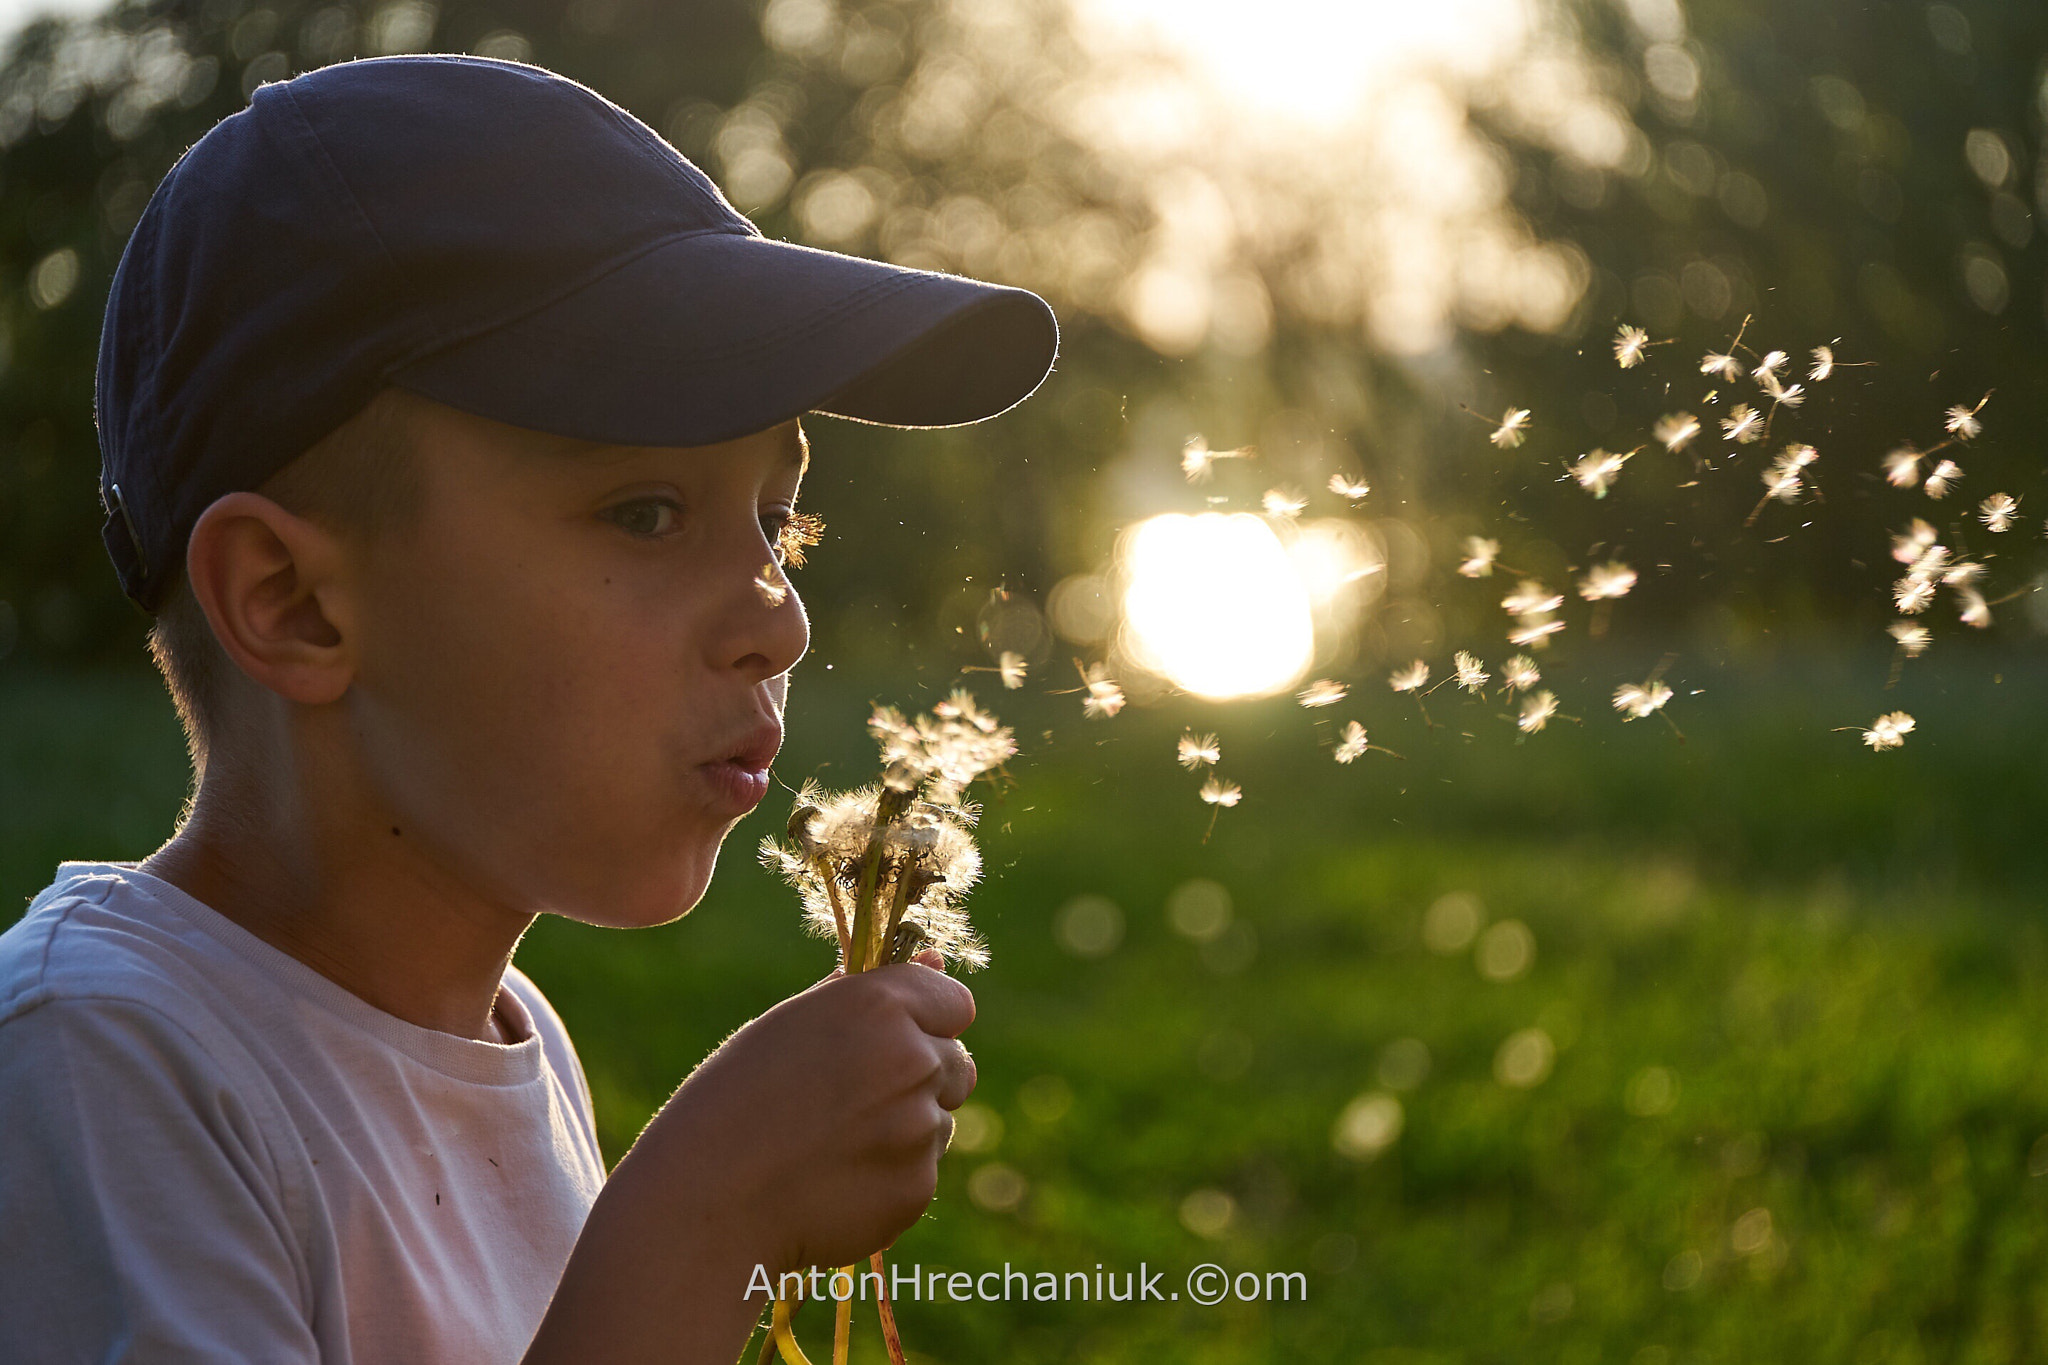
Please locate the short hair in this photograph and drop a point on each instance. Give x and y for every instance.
(361, 480)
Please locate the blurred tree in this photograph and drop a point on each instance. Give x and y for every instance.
(1860, 175)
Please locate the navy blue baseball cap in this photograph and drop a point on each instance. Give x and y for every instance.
(506, 241)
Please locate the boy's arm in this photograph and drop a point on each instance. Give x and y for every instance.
(137, 1215)
(811, 1137)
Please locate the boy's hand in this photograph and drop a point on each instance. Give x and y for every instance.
(810, 1137)
(819, 1125)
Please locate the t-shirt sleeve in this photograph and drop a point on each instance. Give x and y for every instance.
(141, 1218)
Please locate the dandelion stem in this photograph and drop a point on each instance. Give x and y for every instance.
(890, 1338)
(785, 1340)
(899, 900)
(889, 803)
(842, 1323)
(826, 875)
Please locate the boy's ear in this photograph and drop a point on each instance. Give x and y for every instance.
(274, 588)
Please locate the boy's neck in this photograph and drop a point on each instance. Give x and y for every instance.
(376, 917)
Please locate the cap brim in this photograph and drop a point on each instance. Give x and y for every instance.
(713, 336)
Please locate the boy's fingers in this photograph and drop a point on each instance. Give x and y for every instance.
(937, 1003)
(932, 958)
(957, 1075)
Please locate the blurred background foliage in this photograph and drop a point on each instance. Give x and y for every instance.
(1589, 1045)
(1318, 233)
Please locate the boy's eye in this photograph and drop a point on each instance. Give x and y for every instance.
(645, 516)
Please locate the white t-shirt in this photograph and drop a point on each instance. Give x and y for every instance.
(210, 1152)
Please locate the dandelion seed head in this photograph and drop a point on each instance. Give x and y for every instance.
(1536, 712)
(1942, 479)
(1998, 511)
(1479, 556)
(1351, 490)
(1217, 792)
(1823, 364)
(1912, 639)
(1409, 679)
(1675, 431)
(1629, 345)
(1198, 750)
(1902, 467)
(1322, 692)
(1641, 699)
(1509, 433)
(1520, 673)
(1351, 744)
(1605, 581)
(1888, 731)
(1743, 424)
(1470, 673)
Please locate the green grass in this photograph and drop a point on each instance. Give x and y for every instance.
(1836, 958)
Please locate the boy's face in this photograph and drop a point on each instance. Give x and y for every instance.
(559, 656)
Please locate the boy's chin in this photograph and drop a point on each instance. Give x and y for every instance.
(662, 897)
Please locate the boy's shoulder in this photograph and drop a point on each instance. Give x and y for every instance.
(97, 932)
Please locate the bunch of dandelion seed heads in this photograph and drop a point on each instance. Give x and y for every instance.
(884, 869)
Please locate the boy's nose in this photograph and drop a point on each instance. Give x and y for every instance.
(769, 630)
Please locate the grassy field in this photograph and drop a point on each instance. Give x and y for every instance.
(1595, 1047)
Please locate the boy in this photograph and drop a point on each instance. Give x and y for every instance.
(449, 422)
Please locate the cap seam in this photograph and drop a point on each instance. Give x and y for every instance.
(348, 193)
(527, 308)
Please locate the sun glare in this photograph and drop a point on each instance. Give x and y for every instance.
(1216, 604)
(1319, 60)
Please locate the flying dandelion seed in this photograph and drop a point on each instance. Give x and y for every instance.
(1411, 678)
(1913, 594)
(1011, 666)
(1534, 631)
(1520, 673)
(771, 586)
(1195, 751)
(1322, 692)
(1531, 598)
(1348, 489)
(1104, 697)
(1217, 792)
(1974, 610)
(1479, 556)
(1605, 581)
(1783, 479)
(1596, 471)
(1726, 366)
(1470, 673)
(1888, 731)
(1783, 395)
(1998, 511)
(1913, 640)
(1629, 345)
(1676, 431)
(1198, 462)
(1902, 467)
(1640, 700)
(1509, 433)
(1536, 712)
(1961, 422)
(960, 706)
(1281, 502)
(1962, 573)
(1743, 425)
(1942, 479)
(1351, 744)
(1766, 371)
(1912, 544)
(1823, 364)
